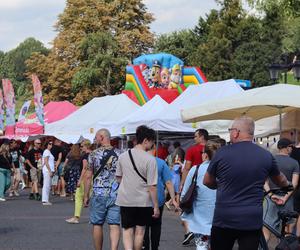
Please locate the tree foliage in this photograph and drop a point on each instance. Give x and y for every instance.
(81, 68)
(13, 66)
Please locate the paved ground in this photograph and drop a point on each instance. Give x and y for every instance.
(28, 225)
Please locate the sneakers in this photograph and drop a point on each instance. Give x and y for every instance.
(16, 193)
(11, 194)
(73, 220)
(2, 199)
(201, 243)
(47, 203)
(188, 238)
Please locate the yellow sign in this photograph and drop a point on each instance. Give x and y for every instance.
(123, 130)
(194, 125)
(91, 130)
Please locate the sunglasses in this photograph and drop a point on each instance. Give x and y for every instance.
(231, 129)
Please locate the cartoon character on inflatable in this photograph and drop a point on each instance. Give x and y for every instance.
(175, 77)
(165, 78)
(155, 75)
(145, 72)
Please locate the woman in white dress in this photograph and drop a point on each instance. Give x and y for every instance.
(48, 170)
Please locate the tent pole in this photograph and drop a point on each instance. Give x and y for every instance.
(157, 137)
(280, 122)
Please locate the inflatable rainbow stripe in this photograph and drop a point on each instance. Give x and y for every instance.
(135, 81)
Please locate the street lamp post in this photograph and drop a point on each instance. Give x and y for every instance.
(275, 69)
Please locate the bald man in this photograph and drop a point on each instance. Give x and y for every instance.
(238, 172)
(102, 165)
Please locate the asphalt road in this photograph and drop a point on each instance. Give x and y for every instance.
(28, 225)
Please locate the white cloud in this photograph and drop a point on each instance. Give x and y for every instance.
(177, 14)
(19, 4)
(21, 19)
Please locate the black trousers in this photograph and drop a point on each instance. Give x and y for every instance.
(224, 238)
(155, 230)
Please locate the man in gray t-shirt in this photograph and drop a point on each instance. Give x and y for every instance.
(137, 173)
(290, 168)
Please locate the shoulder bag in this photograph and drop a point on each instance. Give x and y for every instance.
(134, 166)
(186, 203)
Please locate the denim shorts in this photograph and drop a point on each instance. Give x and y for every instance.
(104, 209)
(60, 169)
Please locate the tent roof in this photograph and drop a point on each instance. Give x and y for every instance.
(100, 110)
(54, 111)
(197, 94)
(257, 103)
(147, 115)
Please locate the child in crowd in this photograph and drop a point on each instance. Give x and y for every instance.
(176, 168)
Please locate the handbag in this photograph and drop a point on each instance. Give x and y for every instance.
(186, 203)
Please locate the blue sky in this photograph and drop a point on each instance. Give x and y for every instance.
(21, 19)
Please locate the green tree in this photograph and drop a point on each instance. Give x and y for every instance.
(288, 8)
(102, 65)
(13, 64)
(237, 45)
(179, 43)
(127, 22)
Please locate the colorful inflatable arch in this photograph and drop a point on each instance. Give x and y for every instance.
(159, 74)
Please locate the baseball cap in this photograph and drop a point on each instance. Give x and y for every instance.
(284, 143)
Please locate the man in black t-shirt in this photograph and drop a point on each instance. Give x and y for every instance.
(34, 157)
(238, 172)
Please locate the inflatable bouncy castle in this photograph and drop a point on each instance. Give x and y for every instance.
(159, 74)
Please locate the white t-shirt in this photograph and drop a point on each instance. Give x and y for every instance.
(133, 191)
(47, 153)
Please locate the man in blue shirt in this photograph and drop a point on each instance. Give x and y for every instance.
(164, 179)
(238, 172)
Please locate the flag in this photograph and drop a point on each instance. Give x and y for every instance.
(38, 98)
(10, 102)
(24, 110)
(1, 112)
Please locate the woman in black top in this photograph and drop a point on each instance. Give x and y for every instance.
(5, 170)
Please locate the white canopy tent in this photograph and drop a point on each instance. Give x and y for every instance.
(148, 115)
(195, 95)
(257, 103)
(164, 117)
(100, 112)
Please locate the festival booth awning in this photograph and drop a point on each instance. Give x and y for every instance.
(257, 103)
(53, 111)
(100, 112)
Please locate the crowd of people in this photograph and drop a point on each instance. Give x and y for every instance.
(128, 189)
